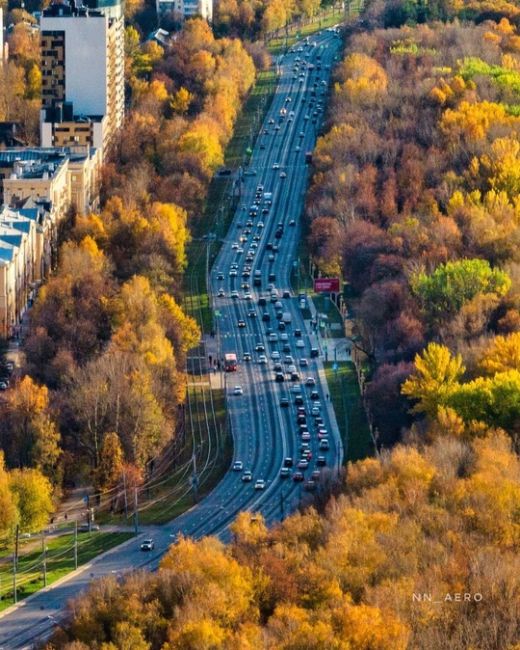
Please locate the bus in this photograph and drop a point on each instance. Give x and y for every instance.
(230, 362)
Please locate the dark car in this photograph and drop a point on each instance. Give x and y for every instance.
(284, 402)
(288, 462)
(321, 461)
(279, 377)
(262, 301)
(298, 477)
(315, 352)
(266, 317)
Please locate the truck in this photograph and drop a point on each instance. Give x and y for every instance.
(287, 317)
(230, 362)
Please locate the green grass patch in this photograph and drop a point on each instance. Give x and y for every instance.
(296, 31)
(59, 559)
(348, 406)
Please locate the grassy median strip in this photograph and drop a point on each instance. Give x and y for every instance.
(57, 561)
(348, 406)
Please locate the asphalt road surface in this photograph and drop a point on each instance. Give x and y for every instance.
(265, 433)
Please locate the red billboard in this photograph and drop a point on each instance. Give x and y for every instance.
(326, 285)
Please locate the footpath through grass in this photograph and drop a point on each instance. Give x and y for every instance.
(57, 561)
(350, 413)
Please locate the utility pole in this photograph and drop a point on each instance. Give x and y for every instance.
(126, 496)
(15, 596)
(136, 512)
(75, 544)
(44, 553)
(16, 545)
(195, 478)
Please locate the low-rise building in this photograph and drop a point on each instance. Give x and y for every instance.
(22, 264)
(65, 178)
(183, 9)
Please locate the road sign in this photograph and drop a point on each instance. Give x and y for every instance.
(326, 285)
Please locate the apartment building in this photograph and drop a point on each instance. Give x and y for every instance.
(82, 48)
(22, 263)
(63, 179)
(185, 8)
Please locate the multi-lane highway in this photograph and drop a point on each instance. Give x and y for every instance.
(272, 420)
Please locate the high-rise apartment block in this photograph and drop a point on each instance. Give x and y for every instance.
(82, 51)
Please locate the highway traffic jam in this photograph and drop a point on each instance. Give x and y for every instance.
(272, 349)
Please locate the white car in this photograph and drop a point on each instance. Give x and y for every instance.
(310, 381)
(247, 476)
(221, 293)
(260, 484)
(276, 165)
(147, 545)
(238, 390)
(300, 343)
(275, 356)
(262, 359)
(238, 466)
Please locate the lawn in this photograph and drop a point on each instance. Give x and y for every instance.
(59, 561)
(348, 406)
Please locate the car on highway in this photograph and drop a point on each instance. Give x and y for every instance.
(276, 165)
(266, 317)
(292, 222)
(247, 476)
(283, 175)
(147, 545)
(316, 475)
(298, 477)
(233, 273)
(324, 444)
(247, 356)
(302, 464)
(238, 390)
(241, 323)
(309, 486)
(279, 377)
(275, 355)
(260, 347)
(262, 359)
(284, 402)
(315, 411)
(234, 294)
(238, 466)
(251, 313)
(221, 293)
(306, 437)
(260, 484)
(310, 381)
(315, 396)
(285, 472)
(321, 461)
(297, 333)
